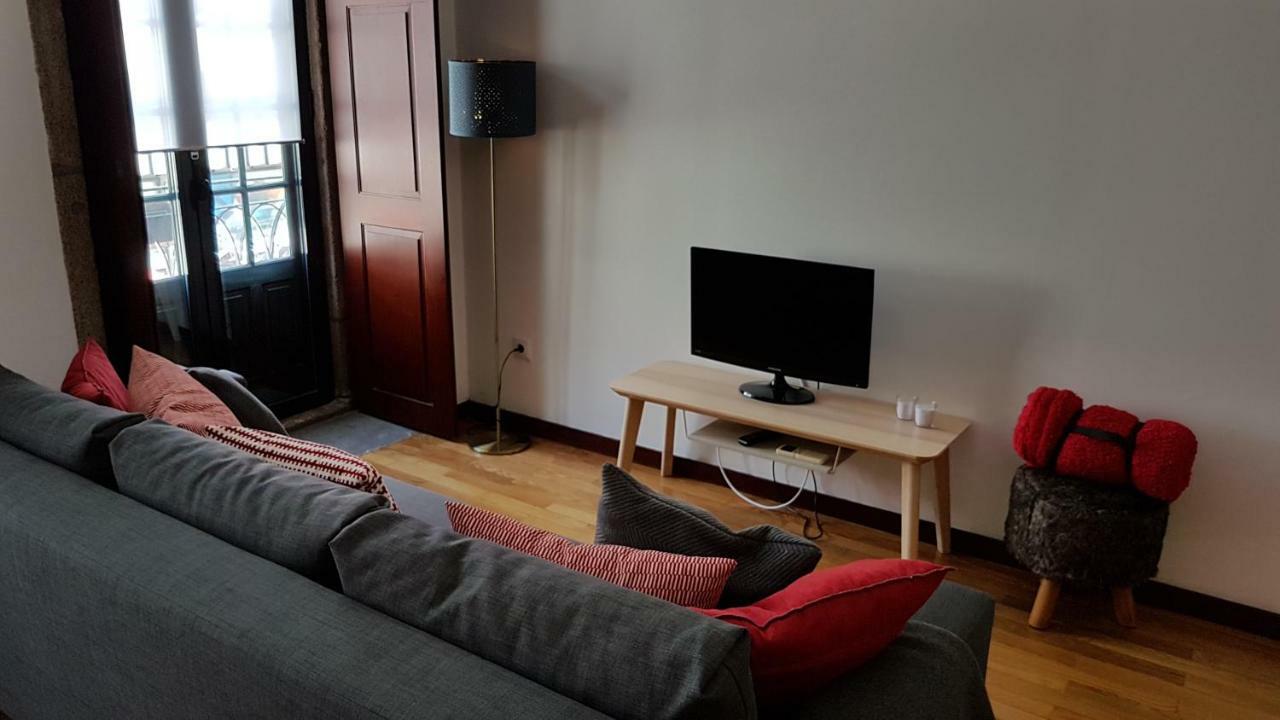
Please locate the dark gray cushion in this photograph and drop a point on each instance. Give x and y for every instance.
(109, 609)
(623, 653)
(927, 672)
(769, 558)
(278, 514)
(233, 391)
(64, 430)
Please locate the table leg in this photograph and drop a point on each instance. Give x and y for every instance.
(630, 430)
(669, 444)
(910, 509)
(942, 480)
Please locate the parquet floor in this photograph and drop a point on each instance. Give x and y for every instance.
(1171, 666)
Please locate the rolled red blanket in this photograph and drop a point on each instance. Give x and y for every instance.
(1097, 448)
(1162, 457)
(1043, 423)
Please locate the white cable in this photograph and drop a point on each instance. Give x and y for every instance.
(749, 501)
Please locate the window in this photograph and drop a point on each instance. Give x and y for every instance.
(164, 218)
(254, 191)
(255, 218)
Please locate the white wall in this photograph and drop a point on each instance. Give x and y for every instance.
(1077, 193)
(37, 337)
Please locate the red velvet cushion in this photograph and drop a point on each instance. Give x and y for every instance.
(829, 622)
(680, 579)
(91, 377)
(161, 390)
(304, 456)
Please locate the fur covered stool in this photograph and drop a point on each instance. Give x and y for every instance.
(1082, 533)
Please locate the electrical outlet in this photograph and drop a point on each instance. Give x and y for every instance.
(527, 355)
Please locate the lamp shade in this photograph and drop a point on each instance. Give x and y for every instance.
(491, 98)
(211, 73)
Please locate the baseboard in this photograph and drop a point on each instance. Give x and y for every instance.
(1152, 593)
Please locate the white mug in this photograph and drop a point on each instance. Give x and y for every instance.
(924, 415)
(906, 408)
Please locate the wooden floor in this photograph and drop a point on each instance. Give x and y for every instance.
(1171, 666)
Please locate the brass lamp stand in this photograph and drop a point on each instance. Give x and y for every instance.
(493, 99)
(485, 442)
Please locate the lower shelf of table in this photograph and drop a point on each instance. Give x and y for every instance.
(724, 434)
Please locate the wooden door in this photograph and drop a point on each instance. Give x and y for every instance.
(387, 130)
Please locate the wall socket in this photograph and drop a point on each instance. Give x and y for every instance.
(527, 355)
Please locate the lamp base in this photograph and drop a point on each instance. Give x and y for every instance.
(485, 442)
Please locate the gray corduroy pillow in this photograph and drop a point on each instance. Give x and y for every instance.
(769, 558)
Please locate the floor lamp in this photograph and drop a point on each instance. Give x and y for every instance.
(493, 99)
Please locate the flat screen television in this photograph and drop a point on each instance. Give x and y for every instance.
(795, 318)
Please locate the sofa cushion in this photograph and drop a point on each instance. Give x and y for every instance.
(309, 458)
(830, 622)
(92, 377)
(625, 654)
(232, 390)
(769, 558)
(162, 390)
(680, 579)
(58, 428)
(109, 609)
(275, 513)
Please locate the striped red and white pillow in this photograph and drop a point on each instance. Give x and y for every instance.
(682, 579)
(314, 459)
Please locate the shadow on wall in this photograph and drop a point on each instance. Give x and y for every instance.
(546, 205)
(925, 342)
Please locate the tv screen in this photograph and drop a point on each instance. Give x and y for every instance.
(806, 320)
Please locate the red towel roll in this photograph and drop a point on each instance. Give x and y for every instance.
(1162, 459)
(1043, 423)
(1097, 447)
(1104, 444)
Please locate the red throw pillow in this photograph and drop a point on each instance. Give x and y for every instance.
(91, 377)
(308, 458)
(682, 579)
(830, 622)
(160, 389)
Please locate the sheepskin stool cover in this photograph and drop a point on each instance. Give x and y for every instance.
(1083, 533)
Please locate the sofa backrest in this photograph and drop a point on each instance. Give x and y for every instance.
(58, 428)
(273, 512)
(111, 609)
(623, 653)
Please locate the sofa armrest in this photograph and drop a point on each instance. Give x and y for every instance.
(232, 389)
(966, 612)
(928, 672)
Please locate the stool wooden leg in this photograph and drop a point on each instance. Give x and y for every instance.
(1046, 601)
(1126, 611)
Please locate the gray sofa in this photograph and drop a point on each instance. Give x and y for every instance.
(111, 607)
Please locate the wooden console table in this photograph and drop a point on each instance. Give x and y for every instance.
(836, 419)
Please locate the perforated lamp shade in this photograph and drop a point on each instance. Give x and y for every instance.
(491, 98)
